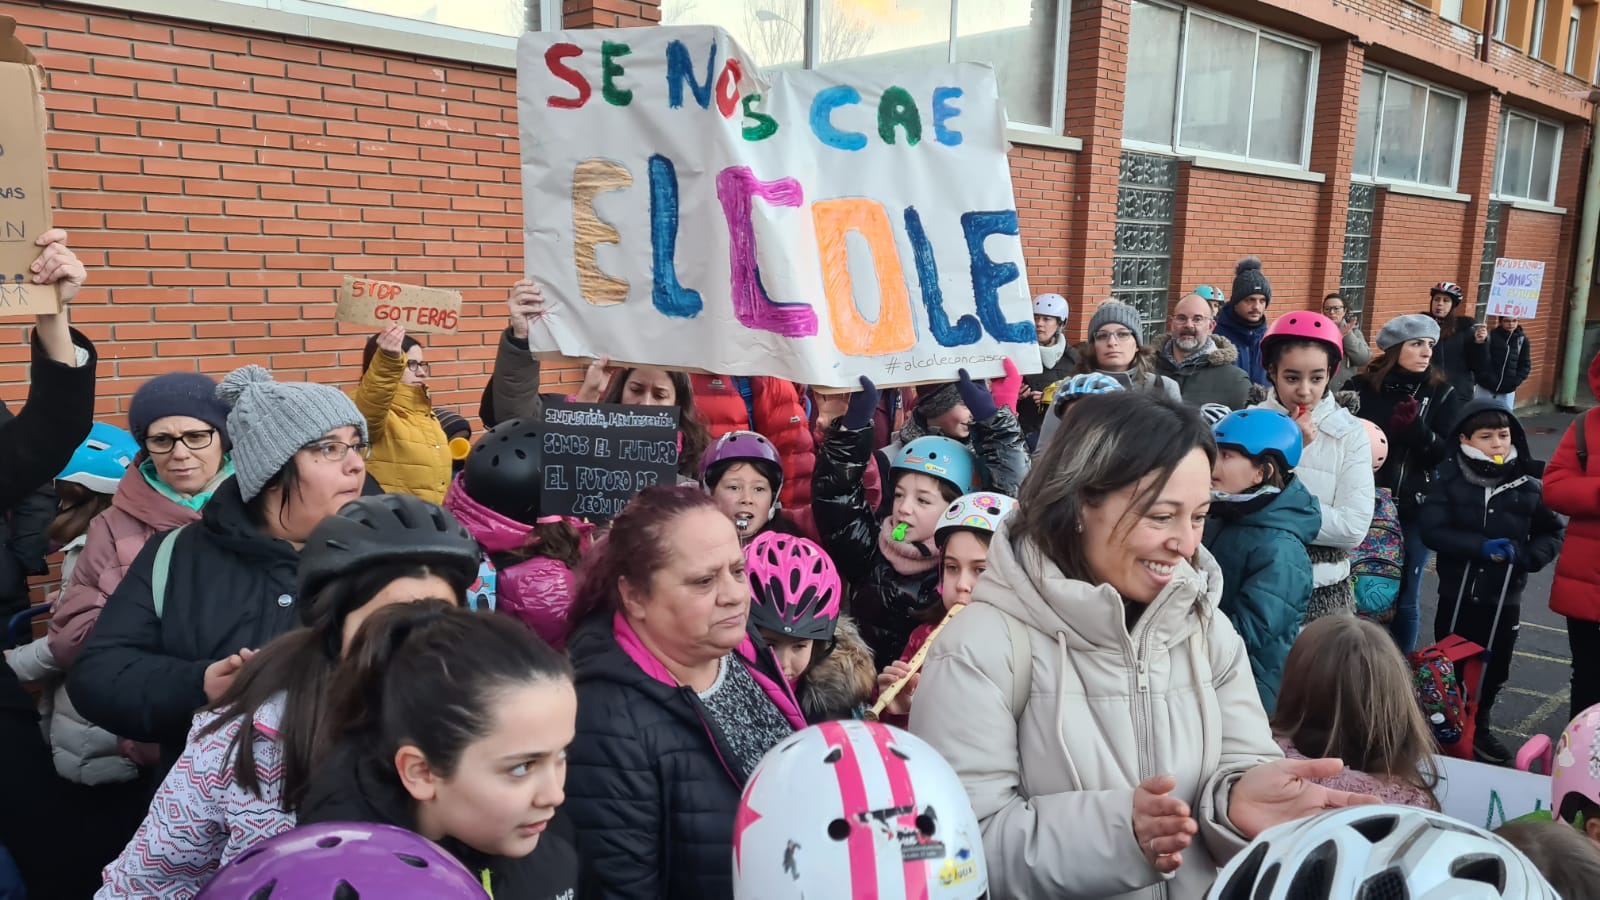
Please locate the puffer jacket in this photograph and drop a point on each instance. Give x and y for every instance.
(1260, 546)
(1031, 415)
(884, 602)
(410, 454)
(1246, 339)
(1460, 357)
(1459, 515)
(647, 788)
(780, 417)
(512, 391)
(1212, 376)
(229, 586)
(840, 684)
(1414, 452)
(1506, 364)
(1336, 468)
(84, 753)
(537, 591)
(40, 439)
(1574, 490)
(1053, 783)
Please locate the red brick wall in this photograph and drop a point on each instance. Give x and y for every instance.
(1415, 245)
(1535, 235)
(1040, 177)
(1224, 216)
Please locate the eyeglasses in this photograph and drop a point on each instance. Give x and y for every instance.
(161, 444)
(418, 367)
(1113, 337)
(1196, 321)
(334, 451)
(1333, 308)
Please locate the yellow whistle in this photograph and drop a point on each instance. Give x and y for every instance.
(459, 448)
(1498, 459)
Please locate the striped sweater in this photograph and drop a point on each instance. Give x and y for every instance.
(201, 817)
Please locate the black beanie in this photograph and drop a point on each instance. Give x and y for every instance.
(1248, 279)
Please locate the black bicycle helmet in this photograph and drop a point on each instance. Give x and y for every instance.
(383, 528)
(505, 469)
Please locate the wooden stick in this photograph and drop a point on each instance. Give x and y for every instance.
(917, 659)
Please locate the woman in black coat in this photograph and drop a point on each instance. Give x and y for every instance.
(1405, 394)
(1462, 347)
(678, 699)
(200, 599)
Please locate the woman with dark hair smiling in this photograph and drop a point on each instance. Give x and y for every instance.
(1099, 709)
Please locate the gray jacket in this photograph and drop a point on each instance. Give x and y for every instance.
(1356, 356)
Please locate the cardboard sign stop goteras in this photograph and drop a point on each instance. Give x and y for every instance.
(363, 301)
(24, 180)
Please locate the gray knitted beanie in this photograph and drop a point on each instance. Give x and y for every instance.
(269, 421)
(1115, 312)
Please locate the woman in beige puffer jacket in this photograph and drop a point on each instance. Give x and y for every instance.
(1063, 701)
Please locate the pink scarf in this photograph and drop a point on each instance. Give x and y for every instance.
(905, 557)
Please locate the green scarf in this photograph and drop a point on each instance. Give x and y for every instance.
(194, 502)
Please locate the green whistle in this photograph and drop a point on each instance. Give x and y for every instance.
(899, 532)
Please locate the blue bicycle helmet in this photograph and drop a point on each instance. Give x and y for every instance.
(100, 460)
(944, 458)
(1258, 432)
(1063, 392)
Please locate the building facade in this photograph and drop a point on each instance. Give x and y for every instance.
(223, 164)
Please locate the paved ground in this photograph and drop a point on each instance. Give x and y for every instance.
(1534, 701)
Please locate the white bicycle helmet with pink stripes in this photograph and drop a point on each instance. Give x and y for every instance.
(856, 811)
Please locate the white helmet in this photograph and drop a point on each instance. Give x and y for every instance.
(1380, 851)
(980, 511)
(1050, 305)
(856, 810)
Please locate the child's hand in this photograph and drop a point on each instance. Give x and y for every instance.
(1302, 418)
(901, 704)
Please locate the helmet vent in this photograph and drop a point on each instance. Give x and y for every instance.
(1390, 884)
(415, 862)
(839, 829)
(1239, 884)
(1376, 828)
(330, 841)
(834, 755)
(1314, 879)
(1481, 867)
(927, 823)
(344, 891)
(265, 891)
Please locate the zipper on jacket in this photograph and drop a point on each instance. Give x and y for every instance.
(1141, 706)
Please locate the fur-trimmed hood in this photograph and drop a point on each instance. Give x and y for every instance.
(839, 685)
(1222, 352)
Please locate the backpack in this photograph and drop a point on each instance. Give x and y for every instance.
(1377, 563)
(1441, 674)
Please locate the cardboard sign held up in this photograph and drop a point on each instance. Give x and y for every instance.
(24, 179)
(384, 303)
(1515, 290)
(598, 455)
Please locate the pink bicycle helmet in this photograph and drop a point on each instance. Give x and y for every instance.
(1575, 781)
(1379, 443)
(1303, 325)
(343, 861)
(794, 588)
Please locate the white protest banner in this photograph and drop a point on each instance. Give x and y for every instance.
(1488, 796)
(1515, 289)
(686, 210)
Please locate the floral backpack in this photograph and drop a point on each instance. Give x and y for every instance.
(1376, 565)
(1441, 674)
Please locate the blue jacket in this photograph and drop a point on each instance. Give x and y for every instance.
(1247, 338)
(1266, 575)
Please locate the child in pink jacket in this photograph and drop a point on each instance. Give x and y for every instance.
(528, 570)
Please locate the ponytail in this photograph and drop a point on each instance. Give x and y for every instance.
(426, 674)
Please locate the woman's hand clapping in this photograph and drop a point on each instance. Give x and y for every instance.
(1161, 823)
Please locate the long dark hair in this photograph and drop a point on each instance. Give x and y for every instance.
(426, 675)
(76, 507)
(300, 665)
(695, 436)
(551, 540)
(1115, 440)
(636, 547)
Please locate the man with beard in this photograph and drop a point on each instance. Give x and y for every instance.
(1463, 347)
(1057, 356)
(1201, 363)
(1243, 320)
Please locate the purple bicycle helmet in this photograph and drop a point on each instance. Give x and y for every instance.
(794, 588)
(344, 861)
(746, 447)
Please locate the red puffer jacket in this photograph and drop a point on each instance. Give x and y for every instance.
(1575, 491)
(779, 417)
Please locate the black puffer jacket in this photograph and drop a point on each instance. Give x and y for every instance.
(352, 787)
(1460, 357)
(647, 790)
(36, 444)
(229, 586)
(1414, 452)
(1507, 364)
(1472, 502)
(1031, 412)
(884, 603)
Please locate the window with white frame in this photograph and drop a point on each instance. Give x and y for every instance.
(1501, 13)
(1573, 24)
(1529, 158)
(1022, 39)
(1450, 9)
(1200, 82)
(1408, 130)
(1536, 44)
(495, 22)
